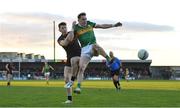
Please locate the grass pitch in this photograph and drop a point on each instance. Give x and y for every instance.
(138, 93)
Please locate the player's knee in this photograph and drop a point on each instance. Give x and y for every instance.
(96, 53)
(82, 69)
(116, 77)
(95, 47)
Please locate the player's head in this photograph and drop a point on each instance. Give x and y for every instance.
(62, 27)
(111, 54)
(82, 19)
(11, 63)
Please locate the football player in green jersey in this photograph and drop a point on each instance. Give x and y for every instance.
(89, 48)
(46, 71)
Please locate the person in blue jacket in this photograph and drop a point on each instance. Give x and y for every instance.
(114, 66)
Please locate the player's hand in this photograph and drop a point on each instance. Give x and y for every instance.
(73, 24)
(117, 24)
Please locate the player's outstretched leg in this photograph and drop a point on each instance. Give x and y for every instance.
(98, 50)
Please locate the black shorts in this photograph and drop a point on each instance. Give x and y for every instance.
(9, 72)
(68, 61)
(116, 72)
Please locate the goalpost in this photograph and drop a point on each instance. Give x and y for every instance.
(2, 75)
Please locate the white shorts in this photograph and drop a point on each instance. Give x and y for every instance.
(9, 77)
(87, 51)
(47, 74)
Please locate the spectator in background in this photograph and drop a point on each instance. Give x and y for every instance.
(9, 67)
(127, 74)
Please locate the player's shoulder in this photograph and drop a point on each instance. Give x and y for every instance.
(90, 22)
(76, 27)
(8, 64)
(61, 38)
(117, 59)
(93, 24)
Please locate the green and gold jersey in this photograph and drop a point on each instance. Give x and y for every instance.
(46, 68)
(85, 34)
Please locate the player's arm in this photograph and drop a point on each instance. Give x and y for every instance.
(69, 37)
(107, 64)
(7, 67)
(13, 67)
(43, 70)
(51, 67)
(105, 26)
(67, 40)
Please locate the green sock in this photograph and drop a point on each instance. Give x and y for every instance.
(107, 58)
(79, 85)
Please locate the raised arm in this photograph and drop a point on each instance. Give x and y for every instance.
(67, 40)
(7, 67)
(51, 67)
(105, 26)
(42, 70)
(69, 37)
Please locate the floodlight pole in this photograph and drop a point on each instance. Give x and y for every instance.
(54, 41)
(19, 67)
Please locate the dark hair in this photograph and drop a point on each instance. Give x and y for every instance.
(62, 24)
(81, 14)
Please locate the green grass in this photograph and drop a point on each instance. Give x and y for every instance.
(155, 93)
